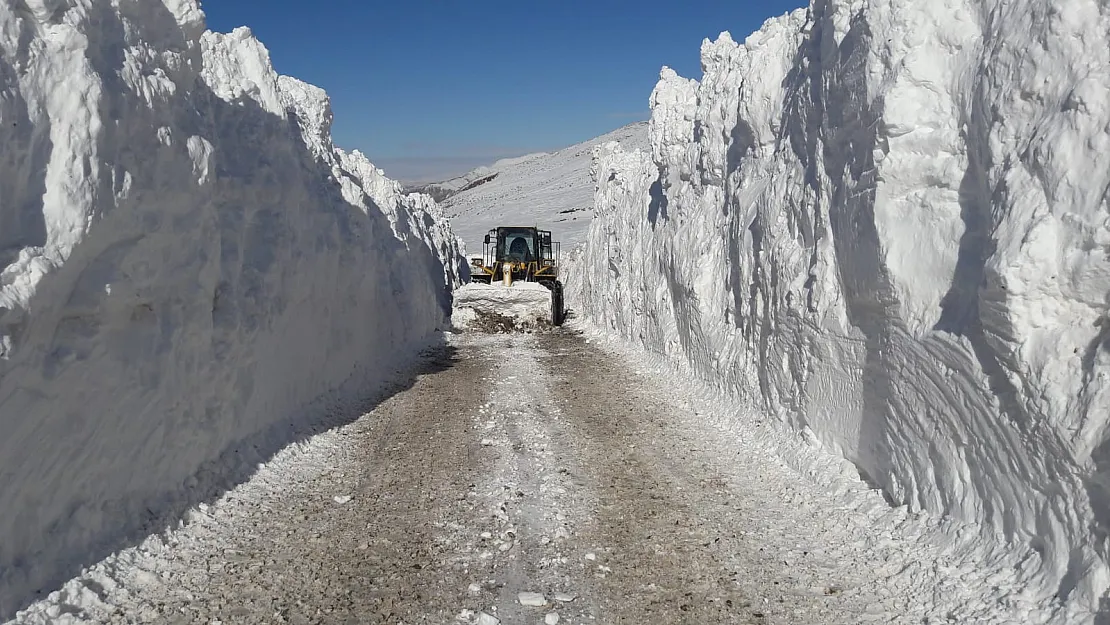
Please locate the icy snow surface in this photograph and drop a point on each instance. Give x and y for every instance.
(189, 272)
(553, 191)
(886, 223)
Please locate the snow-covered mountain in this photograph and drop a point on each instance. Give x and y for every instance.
(190, 271)
(886, 223)
(554, 191)
(440, 191)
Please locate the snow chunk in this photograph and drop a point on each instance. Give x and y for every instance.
(525, 304)
(531, 599)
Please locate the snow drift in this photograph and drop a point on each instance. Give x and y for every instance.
(190, 272)
(887, 223)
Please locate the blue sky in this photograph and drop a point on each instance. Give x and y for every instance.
(434, 86)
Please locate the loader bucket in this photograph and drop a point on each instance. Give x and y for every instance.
(524, 305)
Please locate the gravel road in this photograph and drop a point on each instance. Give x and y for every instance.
(523, 478)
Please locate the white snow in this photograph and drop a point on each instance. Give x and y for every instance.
(476, 176)
(531, 599)
(552, 191)
(526, 304)
(885, 223)
(190, 272)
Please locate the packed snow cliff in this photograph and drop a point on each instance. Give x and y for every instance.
(887, 223)
(190, 272)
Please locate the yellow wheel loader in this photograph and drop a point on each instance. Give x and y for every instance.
(517, 261)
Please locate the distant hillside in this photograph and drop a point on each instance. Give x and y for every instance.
(552, 190)
(445, 189)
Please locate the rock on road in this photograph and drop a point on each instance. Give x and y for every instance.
(525, 478)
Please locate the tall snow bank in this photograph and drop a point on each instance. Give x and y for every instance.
(887, 222)
(190, 270)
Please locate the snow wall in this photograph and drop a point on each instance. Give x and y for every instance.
(191, 272)
(887, 222)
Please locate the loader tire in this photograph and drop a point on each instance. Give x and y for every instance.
(557, 312)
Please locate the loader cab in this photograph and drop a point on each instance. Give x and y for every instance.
(521, 245)
(514, 254)
(512, 244)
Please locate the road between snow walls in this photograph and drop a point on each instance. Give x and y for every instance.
(885, 223)
(191, 274)
(541, 478)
